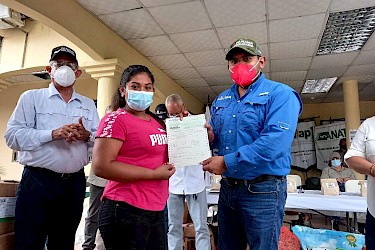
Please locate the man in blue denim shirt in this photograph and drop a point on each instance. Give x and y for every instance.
(54, 129)
(253, 125)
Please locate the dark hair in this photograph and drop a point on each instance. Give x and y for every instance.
(133, 70)
(119, 102)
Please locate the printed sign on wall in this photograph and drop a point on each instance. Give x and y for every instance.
(327, 138)
(303, 148)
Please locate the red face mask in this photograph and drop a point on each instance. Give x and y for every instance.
(244, 74)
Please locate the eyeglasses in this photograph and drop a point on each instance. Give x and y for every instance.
(72, 65)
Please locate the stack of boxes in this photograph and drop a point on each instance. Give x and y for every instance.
(188, 241)
(8, 191)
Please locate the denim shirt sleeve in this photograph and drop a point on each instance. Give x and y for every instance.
(276, 136)
(21, 134)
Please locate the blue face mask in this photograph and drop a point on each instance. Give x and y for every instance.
(139, 100)
(336, 163)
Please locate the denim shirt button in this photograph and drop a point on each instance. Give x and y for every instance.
(226, 148)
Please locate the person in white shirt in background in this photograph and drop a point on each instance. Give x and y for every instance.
(361, 158)
(97, 185)
(187, 183)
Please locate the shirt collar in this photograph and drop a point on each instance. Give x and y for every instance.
(53, 91)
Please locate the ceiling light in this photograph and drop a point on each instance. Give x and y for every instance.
(347, 31)
(318, 86)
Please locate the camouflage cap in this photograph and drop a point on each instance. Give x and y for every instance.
(245, 44)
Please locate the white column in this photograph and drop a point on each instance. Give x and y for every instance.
(352, 112)
(108, 74)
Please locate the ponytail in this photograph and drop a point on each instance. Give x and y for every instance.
(117, 101)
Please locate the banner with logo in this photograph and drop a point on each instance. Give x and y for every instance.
(327, 138)
(303, 148)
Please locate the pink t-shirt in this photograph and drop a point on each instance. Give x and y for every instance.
(144, 145)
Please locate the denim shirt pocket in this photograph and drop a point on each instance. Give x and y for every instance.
(86, 115)
(218, 117)
(47, 118)
(252, 114)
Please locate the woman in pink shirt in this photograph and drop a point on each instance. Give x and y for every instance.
(130, 151)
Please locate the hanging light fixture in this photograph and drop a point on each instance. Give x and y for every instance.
(347, 31)
(318, 86)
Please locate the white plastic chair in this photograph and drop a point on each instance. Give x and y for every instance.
(351, 186)
(290, 216)
(295, 178)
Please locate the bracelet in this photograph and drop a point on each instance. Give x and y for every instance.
(371, 168)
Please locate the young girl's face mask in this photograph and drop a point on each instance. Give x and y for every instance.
(139, 100)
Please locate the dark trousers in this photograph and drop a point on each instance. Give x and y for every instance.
(370, 232)
(123, 227)
(91, 225)
(48, 206)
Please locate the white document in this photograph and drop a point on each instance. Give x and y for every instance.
(187, 140)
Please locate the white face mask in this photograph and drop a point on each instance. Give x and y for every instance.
(64, 76)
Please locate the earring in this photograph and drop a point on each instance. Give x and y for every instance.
(122, 94)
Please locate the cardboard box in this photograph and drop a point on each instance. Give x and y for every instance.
(189, 237)
(7, 241)
(188, 230)
(8, 190)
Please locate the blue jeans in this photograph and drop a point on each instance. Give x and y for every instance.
(251, 214)
(123, 227)
(370, 232)
(48, 206)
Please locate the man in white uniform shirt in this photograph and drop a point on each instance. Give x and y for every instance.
(361, 158)
(187, 183)
(54, 129)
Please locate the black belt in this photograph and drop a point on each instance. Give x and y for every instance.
(55, 174)
(244, 183)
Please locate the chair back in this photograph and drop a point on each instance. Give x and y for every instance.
(312, 183)
(352, 186)
(295, 178)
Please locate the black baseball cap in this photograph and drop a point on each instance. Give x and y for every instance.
(63, 50)
(161, 111)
